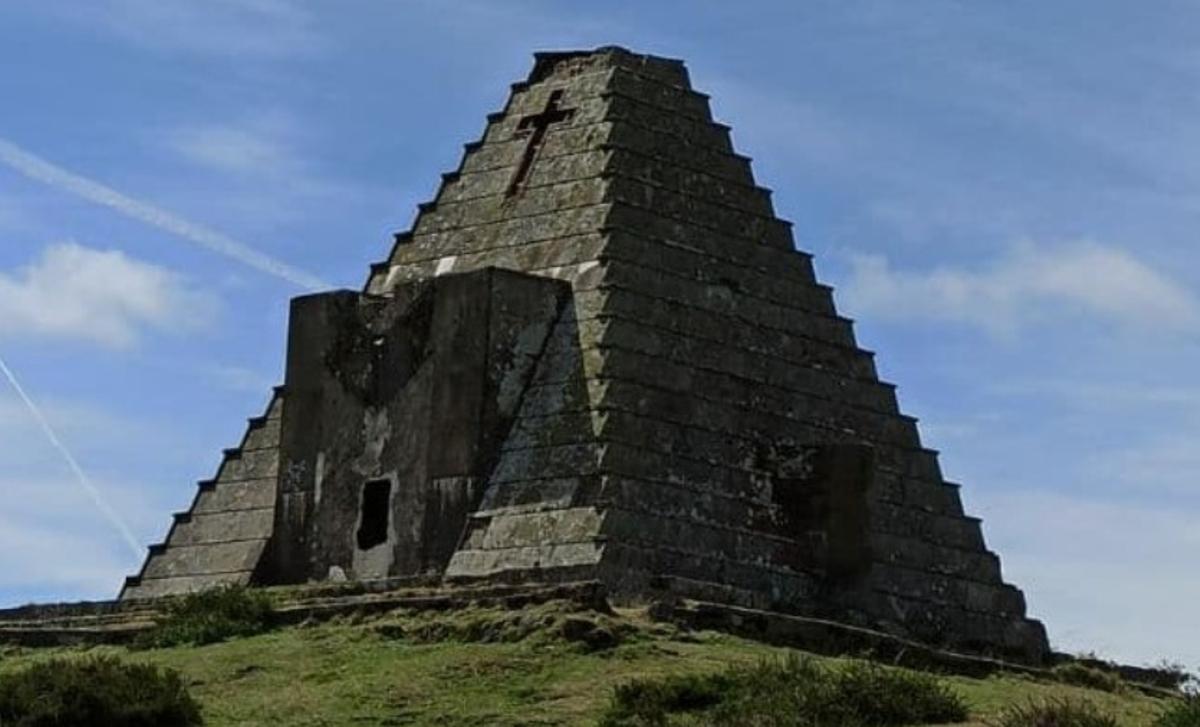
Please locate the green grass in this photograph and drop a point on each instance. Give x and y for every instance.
(491, 667)
(1055, 713)
(1086, 676)
(1183, 713)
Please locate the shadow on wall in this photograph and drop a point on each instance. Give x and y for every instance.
(395, 413)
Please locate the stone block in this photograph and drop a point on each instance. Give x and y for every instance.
(536, 495)
(200, 528)
(806, 302)
(677, 149)
(667, 103)
(547, 558)
(934, 527)
(257, 464)
(149, 588)
(523, 530)
(263, 435)
(206, 559)
(731, 222)
(538, 201)
(696, 183)
(228, 496)
(690, 501)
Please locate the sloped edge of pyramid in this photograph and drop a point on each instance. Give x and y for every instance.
(222, 537)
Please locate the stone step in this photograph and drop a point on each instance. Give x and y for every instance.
(231, 517)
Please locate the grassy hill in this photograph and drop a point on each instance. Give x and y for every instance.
(543, 665)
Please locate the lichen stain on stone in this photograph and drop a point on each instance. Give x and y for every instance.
(376, 431)
(318, 478)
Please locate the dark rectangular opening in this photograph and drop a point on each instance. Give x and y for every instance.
(373, 518)
(822, 493)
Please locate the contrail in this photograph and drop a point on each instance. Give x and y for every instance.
(84, 482)
(43, 171)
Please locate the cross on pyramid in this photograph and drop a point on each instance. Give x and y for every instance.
(539, 123)
(597, 356)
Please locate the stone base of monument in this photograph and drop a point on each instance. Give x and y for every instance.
(120, 622)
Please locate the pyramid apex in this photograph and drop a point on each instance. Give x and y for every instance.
(672, 69)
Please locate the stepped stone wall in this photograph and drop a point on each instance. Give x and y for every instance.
(698, 420)
(221, 538)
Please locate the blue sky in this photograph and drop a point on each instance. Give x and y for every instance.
(1006, 196)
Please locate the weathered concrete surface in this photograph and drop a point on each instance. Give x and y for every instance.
(696, 409)
(413, 392)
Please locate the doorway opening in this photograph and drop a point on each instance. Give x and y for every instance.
(374, 514)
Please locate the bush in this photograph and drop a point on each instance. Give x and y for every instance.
(1183, 713)
(1171, 675)
(1081, 675)
(793, 693)
(1054, 713)
(101, 691)
(897, 697)
(649, 701)
(211, 616)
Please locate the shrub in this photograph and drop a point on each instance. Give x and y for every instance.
(1171, 675)
(1183, 713)
(99, 691)
(793, 693)
(1081, 675)
(211, 616)
(897, 697)
(1054, 713)
(649, 701)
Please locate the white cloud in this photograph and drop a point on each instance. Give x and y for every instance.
(262, 165)
(228, 28)
(1103, 397)
(75, 420)
(11, 215)
(38, 169)
(69, 564)
(785, 125)
(55, 545)
(1167, 464)
(1104, 575)
(237, 378)
(260, 147)
(1030, 284)
(43, 490)
(103, 296)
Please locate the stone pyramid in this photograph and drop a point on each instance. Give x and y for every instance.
(597, 355)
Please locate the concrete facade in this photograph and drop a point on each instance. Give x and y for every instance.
(659, 394)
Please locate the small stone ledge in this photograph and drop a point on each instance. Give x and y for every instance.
(838, 639)
(117, 622)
